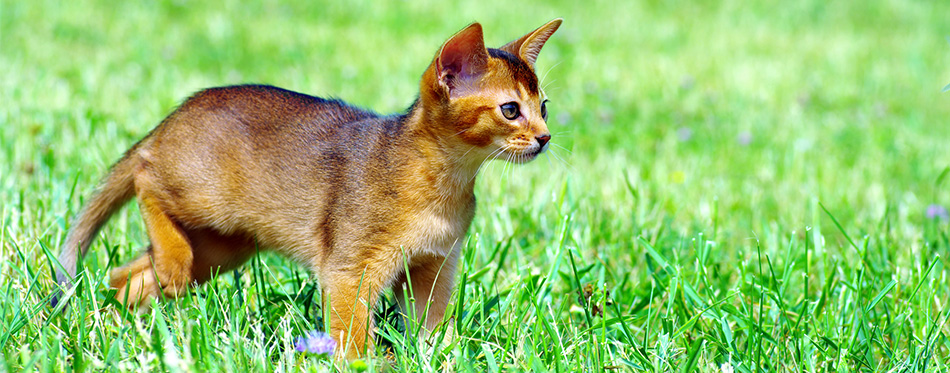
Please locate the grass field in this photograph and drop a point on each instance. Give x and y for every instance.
(740, 186)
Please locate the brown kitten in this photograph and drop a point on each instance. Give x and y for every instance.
(357, 196)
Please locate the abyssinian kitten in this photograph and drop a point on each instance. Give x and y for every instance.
(357, 196)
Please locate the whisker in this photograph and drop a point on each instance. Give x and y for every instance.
(548, 72)
(468, 151)
(487, 158)
(504, 170)
(566, 165)
(511, 166)
(555, 156)
(563, 148)
(524, 159)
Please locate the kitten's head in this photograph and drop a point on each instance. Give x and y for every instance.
(492, 96)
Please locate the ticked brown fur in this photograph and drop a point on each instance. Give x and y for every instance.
(356, 196)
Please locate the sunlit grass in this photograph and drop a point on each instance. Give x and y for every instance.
(732, 185)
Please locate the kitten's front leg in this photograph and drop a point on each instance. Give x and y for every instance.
(432, 279)
(349, 298)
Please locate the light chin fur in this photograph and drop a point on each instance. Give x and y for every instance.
(522, 157)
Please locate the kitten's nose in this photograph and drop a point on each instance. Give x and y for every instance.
(543, 139)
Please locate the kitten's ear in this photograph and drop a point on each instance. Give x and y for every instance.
(462, 58)
(527, 47)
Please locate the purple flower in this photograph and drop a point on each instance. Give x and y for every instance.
(684, 133)
(744, 138)
(314, 342)
(935, 211)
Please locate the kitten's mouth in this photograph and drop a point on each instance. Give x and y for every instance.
(524, 156)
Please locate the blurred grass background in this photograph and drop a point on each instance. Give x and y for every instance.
(714, 131)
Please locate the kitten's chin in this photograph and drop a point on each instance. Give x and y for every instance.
(523, 156)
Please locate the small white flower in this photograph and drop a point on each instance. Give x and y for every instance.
(726, 368)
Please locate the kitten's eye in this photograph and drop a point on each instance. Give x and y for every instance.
(510, 110)
(544, 110)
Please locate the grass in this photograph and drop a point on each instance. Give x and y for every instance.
(736, 186)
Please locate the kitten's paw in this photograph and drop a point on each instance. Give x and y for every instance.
(135, 289)
(174, 278)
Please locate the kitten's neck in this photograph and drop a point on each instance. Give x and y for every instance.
(450, 166)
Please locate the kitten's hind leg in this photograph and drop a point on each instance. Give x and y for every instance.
(213, 253)
(171, 249)
(164, 268)
(135, 282)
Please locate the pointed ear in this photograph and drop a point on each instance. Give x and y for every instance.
(527, 47)
(462, 58)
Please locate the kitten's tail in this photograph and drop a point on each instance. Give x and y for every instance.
(116, 189)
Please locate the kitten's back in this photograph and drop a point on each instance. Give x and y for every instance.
(275, 150)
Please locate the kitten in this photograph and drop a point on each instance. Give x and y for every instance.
(356, 196)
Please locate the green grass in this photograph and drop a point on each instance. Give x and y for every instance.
(736, 184)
